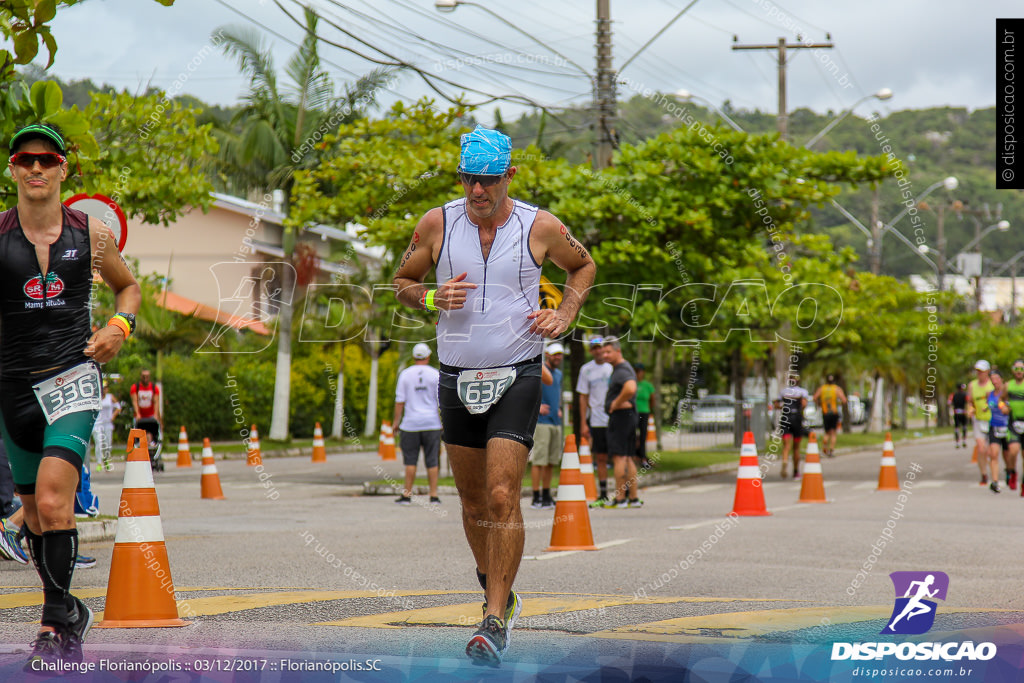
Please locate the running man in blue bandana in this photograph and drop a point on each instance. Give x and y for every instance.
(487, 250)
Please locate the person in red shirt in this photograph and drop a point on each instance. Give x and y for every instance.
(146, 403)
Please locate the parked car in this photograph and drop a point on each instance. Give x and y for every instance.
(812, 416)
(713, 413)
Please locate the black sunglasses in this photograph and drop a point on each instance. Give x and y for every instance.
(484, 180)
(29, 159)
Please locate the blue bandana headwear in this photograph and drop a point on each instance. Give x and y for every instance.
(485, 152)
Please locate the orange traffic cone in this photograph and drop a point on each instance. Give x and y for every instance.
(184, 454)
(888, 479)
(253, 454)
(651, 446)
(587, 470)
(210, 481)
(749, 499)
(320, 452)
(386, 450)
(812, 490)
(140, 592)
(571, 530)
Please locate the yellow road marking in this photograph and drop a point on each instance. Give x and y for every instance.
(35, 596)
(469, 613)
(740, 625)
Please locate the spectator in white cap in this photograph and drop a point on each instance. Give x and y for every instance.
(547, 437)
(419, 421)
(978, 390)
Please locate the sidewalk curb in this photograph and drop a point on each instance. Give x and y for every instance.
(649, 479)
(94, 531)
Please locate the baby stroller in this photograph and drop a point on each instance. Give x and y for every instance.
(152, 427)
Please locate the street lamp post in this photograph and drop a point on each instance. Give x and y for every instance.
(950, 183)
(883, 94)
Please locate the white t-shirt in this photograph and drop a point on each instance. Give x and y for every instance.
(593, 381)
(417, 389)
(107, 407)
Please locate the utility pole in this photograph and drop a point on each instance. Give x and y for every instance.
(876, 233)
(781, 47)
(604, 89)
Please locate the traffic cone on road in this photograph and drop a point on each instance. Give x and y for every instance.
(812, 490)
(386, 450)
(254, 456)
(651, 446)
(571, 530)
(140, 592)
(749, 501)
(184, 454)
(587, 470)
(888, 479)
(319, 451)
(210, 481)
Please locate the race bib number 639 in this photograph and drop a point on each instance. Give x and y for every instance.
(73, 391)
(481, 389)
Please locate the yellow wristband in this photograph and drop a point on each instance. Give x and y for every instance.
(120, 324)
(428, 300)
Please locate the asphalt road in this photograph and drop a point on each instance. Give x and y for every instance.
(294, 563)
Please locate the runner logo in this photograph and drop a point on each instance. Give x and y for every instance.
(913, 612)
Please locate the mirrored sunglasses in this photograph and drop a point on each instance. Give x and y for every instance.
(484, 180)
(45, 159)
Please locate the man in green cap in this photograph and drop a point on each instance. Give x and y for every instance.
(487, 250)
(49, 368)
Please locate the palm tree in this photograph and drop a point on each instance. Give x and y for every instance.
(273, 135)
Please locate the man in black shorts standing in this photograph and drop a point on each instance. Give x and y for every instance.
(620, 405)
(487, 250)
(50, 379)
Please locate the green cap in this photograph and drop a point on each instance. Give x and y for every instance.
(37, 130)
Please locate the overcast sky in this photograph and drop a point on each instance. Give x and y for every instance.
(928, 53)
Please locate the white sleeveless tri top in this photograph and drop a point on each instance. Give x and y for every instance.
(492, 329)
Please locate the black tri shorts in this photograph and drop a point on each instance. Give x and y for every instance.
(513, 417)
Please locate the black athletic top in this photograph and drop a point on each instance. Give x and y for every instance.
(959, 401)
(44, 326)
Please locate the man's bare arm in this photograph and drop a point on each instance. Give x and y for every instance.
(554, 241)
(417, 262)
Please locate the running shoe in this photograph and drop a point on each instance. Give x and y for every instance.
(547, 503)
(994, 486)
(435, 500)
(10, 543)
(490, 642)
(620, 504)
(984, 480)
(84, 562)
(403, 500)
(46, 650)
(536, 504)
(72, 637)
(636, 503)
(601, 502)
(1011, 480)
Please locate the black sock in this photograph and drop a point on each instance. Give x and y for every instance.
(58, 551)
(604, 488)
(482, 578)
(546, 494)
(536, 496)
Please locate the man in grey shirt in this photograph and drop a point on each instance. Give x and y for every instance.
(620, 405)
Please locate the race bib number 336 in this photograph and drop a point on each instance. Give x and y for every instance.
(481, 389)
(73, 391)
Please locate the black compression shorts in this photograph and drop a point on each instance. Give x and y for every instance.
(513, 417)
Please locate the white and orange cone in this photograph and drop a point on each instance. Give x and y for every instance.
(319, 450)
(210, 481)
(184, 453)
(812, 489)
(140, 592)
(386, 450)
(587, 470)
(651, 445)
(571, 530)
(888, 478)
(254, 456)
(749, 499)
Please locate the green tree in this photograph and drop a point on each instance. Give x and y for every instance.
(276, 133)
